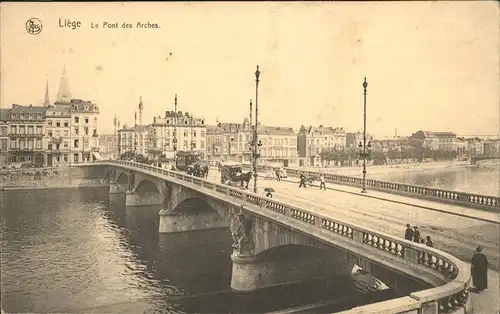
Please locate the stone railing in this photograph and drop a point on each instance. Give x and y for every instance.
(491, 203)
(450, 297)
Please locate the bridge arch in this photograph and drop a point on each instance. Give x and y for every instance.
(146, 186)
(122, 179)
(192, 205)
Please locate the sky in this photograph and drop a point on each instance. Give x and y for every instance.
(429, 65)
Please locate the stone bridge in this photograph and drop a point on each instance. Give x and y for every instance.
(277, 243)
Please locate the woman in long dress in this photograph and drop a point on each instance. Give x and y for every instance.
(479, 270)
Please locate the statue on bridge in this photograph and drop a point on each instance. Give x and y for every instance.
(242, 239)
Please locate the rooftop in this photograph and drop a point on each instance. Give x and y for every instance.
(27, 109)
(4, 114)
(137, 128)
(275, 130)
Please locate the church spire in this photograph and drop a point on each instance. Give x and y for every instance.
(46, 103)
(141, 106)
(64, 95)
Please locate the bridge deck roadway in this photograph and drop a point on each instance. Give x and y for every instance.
(454, 229)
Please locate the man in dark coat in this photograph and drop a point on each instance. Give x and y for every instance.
(416, 235)
(409, 233)
(302, 180)
(479, 270)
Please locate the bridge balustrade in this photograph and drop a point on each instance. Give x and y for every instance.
(449, 298)
(484, 201)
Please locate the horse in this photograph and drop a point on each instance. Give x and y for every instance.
(244, 178)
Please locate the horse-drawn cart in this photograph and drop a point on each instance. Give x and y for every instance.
(198, 169)
(232, 174)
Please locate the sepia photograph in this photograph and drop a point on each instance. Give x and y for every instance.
(250, 157)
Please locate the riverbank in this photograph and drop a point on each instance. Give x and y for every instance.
(88, 184)
(356, 171)
(48, 178)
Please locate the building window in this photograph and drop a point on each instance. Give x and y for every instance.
(185, 145)
(49, 123)
(65, 132)
(49, 146)
(194, 133)
(76, 130)
(77, 119)
(3, 145)
(50, 133)
(39, 144)
(4, 130)
(65, 157)
(86, 130)
(66, 124)
(22, 129)
(86, 119)
(75, 157)
(202, 134)
(185, 133)
(31, 129)
(22, 144)
(58, 124)
(76, 144)
(65, 144)
(13, 144)
(39, 129)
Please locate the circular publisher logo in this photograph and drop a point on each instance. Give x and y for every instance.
(34, 26)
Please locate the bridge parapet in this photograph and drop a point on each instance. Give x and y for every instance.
(491, 203)
(449, 276)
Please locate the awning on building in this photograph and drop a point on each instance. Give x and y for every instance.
(97, 156)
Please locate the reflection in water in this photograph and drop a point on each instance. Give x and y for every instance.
(481, 180)
(82, 250)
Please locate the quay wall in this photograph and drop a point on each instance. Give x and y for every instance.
(47, 178)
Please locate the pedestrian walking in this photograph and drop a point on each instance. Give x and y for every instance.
(278, 174)
(479, 270)
(322, 182)
(302, 180)
(428, 241)
(416, 234)
(409, 233)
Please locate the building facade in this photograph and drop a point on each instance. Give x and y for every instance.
(311, 141)
(71, 127)
(436, 140)
(177, 131)
(4, 137)
(279, 145)
(492, 148)
(108, 146)
(215, 144)
(134, 139)
(26, 134)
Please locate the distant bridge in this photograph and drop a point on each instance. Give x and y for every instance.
(315, 244)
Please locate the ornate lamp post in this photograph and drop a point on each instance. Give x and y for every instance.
(174, 141)
(256, 143)
(231, 140)
(364, 149)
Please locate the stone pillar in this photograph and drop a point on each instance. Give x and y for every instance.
(247, 272)
(180, 222)
(143, 199)
(116, 188)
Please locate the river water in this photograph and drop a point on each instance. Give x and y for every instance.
(484, 180)
(77, 250)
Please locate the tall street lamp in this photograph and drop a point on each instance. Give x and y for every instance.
(174, 140)
(256, 142)
(364, 150)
